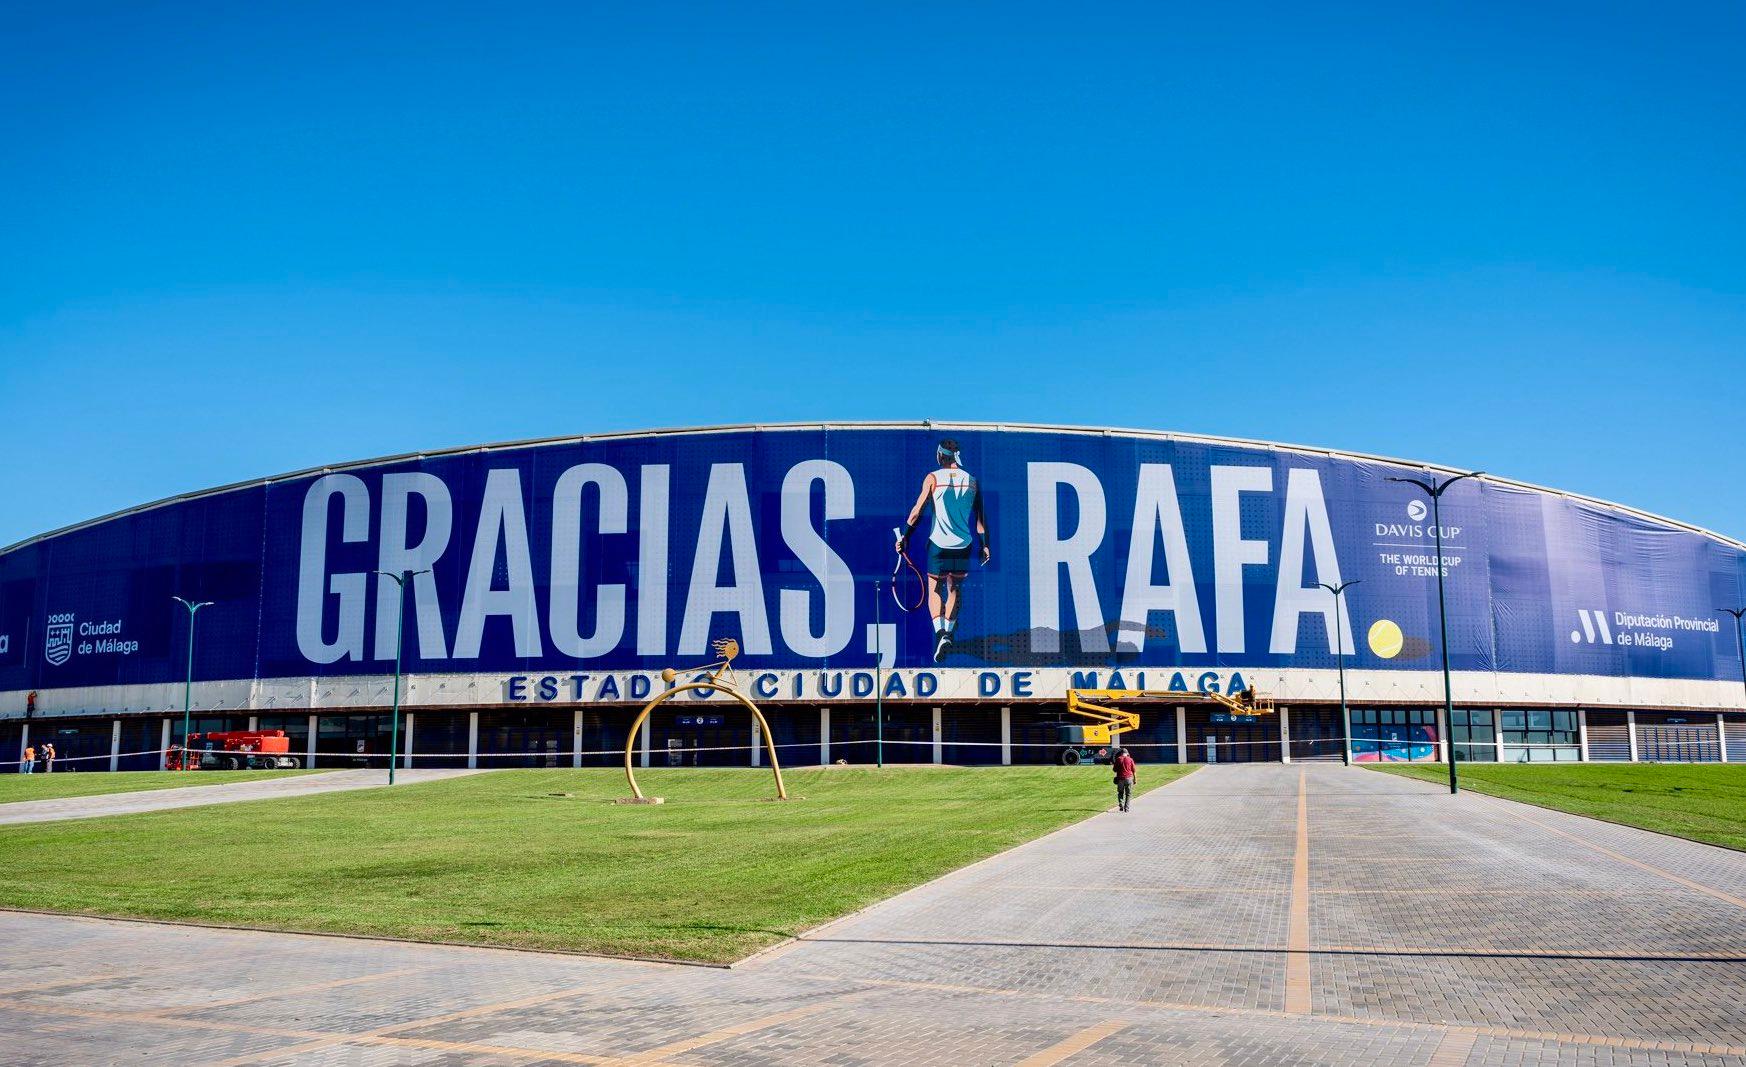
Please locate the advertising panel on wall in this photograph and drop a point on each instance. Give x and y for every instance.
(1194, 560)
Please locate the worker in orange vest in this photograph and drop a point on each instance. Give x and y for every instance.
(27, 765)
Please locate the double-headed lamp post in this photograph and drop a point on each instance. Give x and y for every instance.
(1739, 641)
(1340, 658)
(1435, 490)
(878, 677)
(193, 607)
(400, 580)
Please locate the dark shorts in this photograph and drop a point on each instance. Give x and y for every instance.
(948, 560)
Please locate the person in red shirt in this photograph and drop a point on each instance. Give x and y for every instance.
(1124, 777)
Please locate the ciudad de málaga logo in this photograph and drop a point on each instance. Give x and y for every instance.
(66, 635)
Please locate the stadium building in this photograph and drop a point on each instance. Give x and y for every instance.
(550, 583)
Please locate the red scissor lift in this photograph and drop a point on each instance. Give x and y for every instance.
(234, 750)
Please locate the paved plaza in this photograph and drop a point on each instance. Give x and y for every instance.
(1243, 915)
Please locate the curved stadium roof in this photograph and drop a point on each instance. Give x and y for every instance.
(921, 424)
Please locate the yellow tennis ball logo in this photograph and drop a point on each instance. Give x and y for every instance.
(1385, 638)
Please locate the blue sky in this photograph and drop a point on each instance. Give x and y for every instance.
(242, 239)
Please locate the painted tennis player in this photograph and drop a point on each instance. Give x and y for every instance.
(956, 502)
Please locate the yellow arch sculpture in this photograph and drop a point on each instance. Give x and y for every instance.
(727, 648)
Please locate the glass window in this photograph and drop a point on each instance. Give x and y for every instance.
(296, 727)
(79, 746)
(139, 744)
(1540, 736)
(439, 739)
(1394, 734)
(353, 740)
(1471, 732)
(537, 738)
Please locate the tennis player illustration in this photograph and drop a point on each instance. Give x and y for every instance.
(956, 502)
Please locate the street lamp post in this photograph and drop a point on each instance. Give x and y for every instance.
(1340, 658)
(193, 607)
(878, 677)
(1435, 490)
(400, 580)
(1740, 641)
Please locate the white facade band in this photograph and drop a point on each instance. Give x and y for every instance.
(957, 685)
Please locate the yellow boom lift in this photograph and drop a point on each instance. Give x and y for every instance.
(1089, 742)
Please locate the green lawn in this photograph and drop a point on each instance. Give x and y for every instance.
(717, 872)
(40, 786)
(1705, 801)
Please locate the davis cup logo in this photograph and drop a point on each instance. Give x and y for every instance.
(58, 645)
(1416, 510)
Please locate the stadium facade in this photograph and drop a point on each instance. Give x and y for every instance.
(556, 579)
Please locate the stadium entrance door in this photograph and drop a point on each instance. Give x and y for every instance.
(1316, 733)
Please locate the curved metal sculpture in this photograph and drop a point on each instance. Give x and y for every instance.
(720, 678)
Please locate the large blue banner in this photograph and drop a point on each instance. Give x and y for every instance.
(1103, 550)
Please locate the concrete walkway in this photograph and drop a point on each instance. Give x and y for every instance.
(297, 785)
(1246, 914)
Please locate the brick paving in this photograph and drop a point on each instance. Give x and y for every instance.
(1431, 930)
